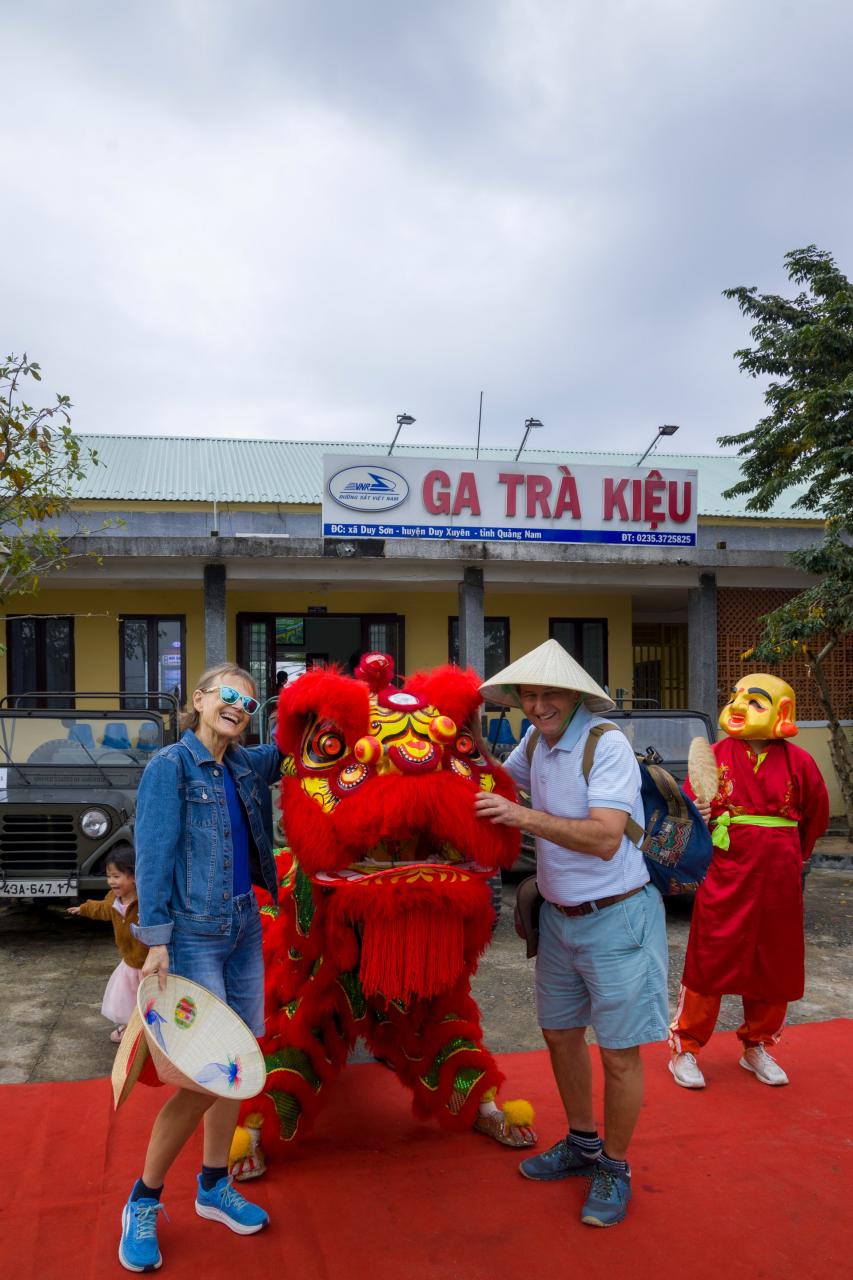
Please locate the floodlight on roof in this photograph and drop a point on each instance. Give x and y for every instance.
(530, 424)
(667, 429)
(403, 420)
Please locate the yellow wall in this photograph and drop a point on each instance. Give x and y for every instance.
(96, 612)
(816, 742)
(528, 627)
(426, 615)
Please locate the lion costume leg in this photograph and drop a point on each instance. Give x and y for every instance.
(314, 1011)
(436, 1048)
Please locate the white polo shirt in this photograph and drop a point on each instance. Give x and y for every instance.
(556, 785)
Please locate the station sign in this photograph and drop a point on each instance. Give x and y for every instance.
(440, 498)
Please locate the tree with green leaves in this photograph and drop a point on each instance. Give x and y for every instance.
(41, 460)
(804, 345)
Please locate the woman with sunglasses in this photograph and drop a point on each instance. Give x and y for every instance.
(203, 837)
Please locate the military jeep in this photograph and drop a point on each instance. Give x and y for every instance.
(70, 766)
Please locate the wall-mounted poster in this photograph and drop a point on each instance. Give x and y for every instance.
(290, 631)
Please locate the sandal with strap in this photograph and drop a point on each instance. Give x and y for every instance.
(117, 1033)
(495, 1126)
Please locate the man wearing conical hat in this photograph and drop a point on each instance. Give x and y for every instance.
(602, 959)
(746, 934)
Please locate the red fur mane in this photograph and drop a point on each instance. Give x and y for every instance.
(328, 694)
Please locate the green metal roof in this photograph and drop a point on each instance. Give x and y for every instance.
(193, 469)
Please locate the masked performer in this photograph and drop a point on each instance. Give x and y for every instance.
(746, 936)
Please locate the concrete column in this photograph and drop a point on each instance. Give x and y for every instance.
(472, 632)
(215, 639)
(703, 694)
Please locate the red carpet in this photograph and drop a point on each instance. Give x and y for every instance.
(738, 1181)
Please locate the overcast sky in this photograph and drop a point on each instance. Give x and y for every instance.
(298, 218)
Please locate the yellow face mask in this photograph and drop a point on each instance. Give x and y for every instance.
(761, 707)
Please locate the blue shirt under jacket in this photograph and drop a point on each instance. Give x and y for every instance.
(239, 836)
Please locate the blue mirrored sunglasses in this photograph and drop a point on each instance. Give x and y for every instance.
(232, 696)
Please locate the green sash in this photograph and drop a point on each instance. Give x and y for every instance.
(720, 833)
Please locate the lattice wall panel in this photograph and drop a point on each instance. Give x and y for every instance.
(738, 629)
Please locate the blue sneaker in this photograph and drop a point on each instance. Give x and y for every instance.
(225, 1204)
(607, 1202)
(563, 1160)
(138, 1250)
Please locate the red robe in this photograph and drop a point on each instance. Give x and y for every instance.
(746, 935)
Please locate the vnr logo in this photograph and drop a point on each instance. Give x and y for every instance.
(376, 484)
(368, 488)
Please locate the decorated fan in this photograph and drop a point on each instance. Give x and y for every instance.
(702, 771)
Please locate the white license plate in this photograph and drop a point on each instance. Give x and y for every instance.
(39, 888)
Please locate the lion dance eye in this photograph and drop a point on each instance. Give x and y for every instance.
(326, 743)
(465, 744)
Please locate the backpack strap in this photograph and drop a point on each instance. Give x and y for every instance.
(633, 830)
(670, 790)
(530, 745)
(591, 743)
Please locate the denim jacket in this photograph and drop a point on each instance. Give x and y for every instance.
(184, 854)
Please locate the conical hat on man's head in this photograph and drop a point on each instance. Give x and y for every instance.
(548, 665)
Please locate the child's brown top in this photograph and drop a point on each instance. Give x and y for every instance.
(133, 952)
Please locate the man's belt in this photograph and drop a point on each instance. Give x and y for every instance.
(720, 826)
(587, 908)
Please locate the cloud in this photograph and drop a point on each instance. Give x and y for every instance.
(299, 219)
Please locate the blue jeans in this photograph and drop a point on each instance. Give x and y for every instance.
(230, 965)
(606, 970)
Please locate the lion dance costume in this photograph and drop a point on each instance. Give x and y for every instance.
(384, 903)
(746, 935)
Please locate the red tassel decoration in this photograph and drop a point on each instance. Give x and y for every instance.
(421, 957)
(419, 929)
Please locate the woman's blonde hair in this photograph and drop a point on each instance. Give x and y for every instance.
(220, 674)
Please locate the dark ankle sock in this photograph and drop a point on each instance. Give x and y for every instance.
(142, 1192)
(586, 1141)
(210, 1176)
(621, 1165)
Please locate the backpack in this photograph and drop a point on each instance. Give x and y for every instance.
(676, 842)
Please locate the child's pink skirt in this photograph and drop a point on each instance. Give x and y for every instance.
(120, 996)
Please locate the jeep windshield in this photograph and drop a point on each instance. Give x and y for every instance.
(669, 733)
(77, 738)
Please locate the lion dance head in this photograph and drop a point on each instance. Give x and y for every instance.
(377, 797)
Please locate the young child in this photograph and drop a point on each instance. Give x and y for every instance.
(121, 909)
